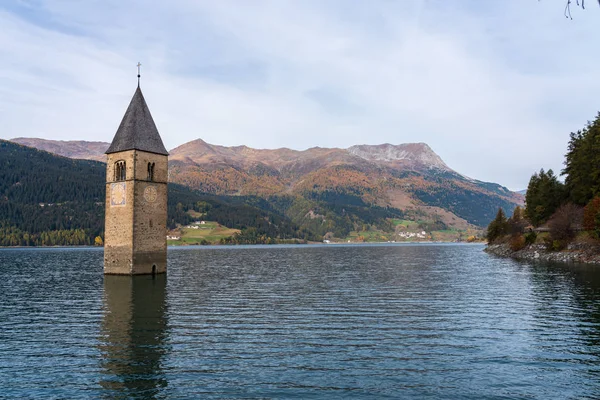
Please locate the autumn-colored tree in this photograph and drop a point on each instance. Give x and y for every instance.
(563, 224)
(517, 242)
(591, 215)
(98, 241)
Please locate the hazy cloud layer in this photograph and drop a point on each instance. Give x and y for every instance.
(494, 87)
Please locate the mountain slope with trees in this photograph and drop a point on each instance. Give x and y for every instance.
(51, 200)
(410, 178)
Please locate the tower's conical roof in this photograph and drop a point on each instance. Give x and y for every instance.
(137, 130)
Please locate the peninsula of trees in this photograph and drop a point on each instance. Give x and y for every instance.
(558, 212)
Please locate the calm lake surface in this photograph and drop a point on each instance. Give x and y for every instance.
(390, 321)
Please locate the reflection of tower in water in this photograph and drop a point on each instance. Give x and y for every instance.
(133, 335)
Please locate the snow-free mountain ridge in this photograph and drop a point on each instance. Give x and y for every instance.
(409, 177)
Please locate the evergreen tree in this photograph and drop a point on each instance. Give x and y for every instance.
(582, 163)
(545, 193)
(517, 221)
(498, 227)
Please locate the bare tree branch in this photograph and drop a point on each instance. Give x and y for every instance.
(579, 3)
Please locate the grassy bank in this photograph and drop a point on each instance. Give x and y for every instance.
(209, 232)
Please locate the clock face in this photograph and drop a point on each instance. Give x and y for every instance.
(150, 194)
(118, 194)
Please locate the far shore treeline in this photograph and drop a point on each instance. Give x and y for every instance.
(557, 213)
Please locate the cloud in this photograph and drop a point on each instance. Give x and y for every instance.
(493, 87)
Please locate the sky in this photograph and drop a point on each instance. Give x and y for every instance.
(494, 87)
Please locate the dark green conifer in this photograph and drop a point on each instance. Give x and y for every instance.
(545, 193)
(498, 227)
(582, 164)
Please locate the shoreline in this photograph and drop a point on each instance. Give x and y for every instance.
(575, 253)
(256, 244)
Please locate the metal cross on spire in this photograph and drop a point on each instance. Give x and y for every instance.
(139, 65)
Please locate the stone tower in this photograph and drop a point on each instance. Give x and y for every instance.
(135, 227)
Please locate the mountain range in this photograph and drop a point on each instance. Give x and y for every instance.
(410, 178)
(49, 200)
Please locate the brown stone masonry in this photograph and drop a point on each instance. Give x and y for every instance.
(136, 214)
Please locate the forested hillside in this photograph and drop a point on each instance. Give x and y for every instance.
(269, 195)
(48, 200)
(51, 200)
(409, 178)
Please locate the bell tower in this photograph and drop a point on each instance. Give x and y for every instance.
(135, 227)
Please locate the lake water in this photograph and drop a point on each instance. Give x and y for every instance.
(391, 321)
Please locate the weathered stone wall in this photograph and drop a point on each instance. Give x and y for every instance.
(136, 226)
(150, 215)
(118, 232)
(141, 166)
(112, 159)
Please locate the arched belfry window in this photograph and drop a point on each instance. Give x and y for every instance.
(150, 171)
(120, 171)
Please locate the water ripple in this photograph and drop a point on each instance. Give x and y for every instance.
(418, 321)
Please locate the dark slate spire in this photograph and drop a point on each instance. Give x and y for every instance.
(137, 130)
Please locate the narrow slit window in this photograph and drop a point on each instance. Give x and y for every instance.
(150, 171)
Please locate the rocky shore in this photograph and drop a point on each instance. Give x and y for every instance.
(575, 253)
